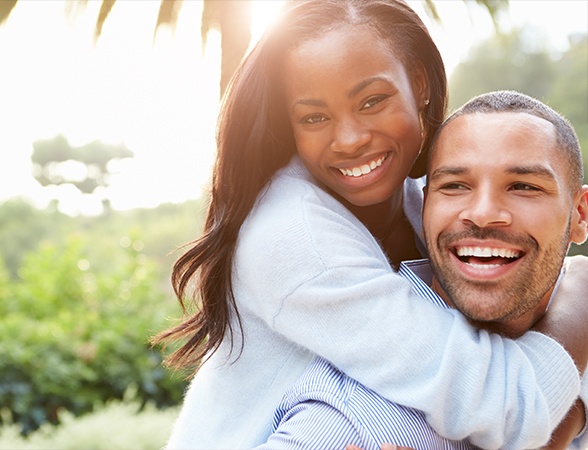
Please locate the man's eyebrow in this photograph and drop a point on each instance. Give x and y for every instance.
(447, 170)
(535, 169)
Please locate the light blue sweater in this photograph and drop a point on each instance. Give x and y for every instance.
(326, 399)
(309, 279)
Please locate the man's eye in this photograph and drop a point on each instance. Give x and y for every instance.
(524, 187)
(452, 186)
(373, 101)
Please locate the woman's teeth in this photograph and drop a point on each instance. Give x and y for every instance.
(364, 169)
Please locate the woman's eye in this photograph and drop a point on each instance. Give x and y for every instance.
(313, 118)
(373, 101)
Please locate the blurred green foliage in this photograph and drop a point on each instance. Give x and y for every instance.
(158, 232)
(79, 300)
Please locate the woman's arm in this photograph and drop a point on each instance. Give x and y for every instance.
(565, 320)
(570, 427)
(320, 280)
(563, 323)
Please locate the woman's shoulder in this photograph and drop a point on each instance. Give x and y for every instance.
(294, 185)
(296, 225)
(293, 199)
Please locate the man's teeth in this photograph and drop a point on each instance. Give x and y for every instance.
(364, 169)
(487, 252)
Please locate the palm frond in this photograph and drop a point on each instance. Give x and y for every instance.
(105, 9)
(494, 8)
(211, 17)
(6, 7)
(431, 10)
(168, 14)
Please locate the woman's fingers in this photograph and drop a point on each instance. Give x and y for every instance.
(394, 447)
(384, 447)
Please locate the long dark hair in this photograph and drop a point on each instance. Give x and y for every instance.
(254, 140)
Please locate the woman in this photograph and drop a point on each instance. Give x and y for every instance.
(310, 209)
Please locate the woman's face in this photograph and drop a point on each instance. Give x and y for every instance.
(354, 110)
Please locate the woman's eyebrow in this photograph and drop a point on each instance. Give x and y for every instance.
(309, 102)
(352, 92)
(363, 84)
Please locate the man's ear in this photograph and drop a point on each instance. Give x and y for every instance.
(425, 191)
(579, 223)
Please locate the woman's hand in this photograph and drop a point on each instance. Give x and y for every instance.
(384, 447)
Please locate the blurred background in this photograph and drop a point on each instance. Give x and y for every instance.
(108, 113)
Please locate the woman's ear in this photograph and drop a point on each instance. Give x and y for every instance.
(421, 91)
(579, 222)
(420, 86)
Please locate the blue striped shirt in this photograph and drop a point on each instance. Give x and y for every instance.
(328, 410)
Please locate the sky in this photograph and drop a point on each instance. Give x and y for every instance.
(159, 95)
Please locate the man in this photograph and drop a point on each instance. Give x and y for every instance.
(503, 203)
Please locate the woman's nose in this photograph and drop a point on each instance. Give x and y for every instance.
(350, 134)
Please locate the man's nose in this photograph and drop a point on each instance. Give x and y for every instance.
(350, 134)
(486, 208)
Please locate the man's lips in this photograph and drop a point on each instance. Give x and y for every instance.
(482, 257)
(485, 254)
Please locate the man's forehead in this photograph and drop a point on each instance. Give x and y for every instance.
(498, 142)
(509, 119)
(496, 131)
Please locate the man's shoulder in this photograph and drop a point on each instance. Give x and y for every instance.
(321, 382)
(373, 417)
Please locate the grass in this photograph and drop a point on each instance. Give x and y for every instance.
(117, 426)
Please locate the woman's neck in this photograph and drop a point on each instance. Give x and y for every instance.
(381, 218)
(389, 225)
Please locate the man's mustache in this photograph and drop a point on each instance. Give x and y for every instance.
(475, 232)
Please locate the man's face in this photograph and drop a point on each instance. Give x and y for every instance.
(498, 215)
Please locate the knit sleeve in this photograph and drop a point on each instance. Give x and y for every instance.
(328, 287)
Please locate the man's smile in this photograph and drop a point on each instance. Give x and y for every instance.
(486, 257)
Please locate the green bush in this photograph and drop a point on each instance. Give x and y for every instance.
(117, 426)
(72, 338)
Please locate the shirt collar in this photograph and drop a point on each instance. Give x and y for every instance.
(420, 274)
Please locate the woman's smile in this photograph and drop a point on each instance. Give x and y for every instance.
(363, 169)
(354, 110)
